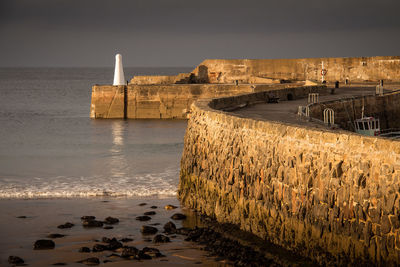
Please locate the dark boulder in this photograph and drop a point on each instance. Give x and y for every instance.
(143, 218)
(114, 244)
(178, 216)
(88, 218)
(148, 230)
(150, 213)
(170, 228)
(99, 248)
(84, 250)
(153, 207)
(15, 260)
(183, 231)
(106, 240)
(111, 220)
(142, 204)
(44, 244)
(55, 235)
(143, 256)
(129, 252)
(108, 227)
(153, 252)
(65, 225)
(92, 223)
(22, 217)
(161, 239)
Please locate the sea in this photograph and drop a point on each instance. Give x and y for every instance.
(50, 148)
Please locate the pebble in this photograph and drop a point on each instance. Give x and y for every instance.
(44, 244)
(153, 252)
(108, 227)
(143, 256)
(99, 248)
(65, 225)
(114, 244)
(90, 261)
(178, 216)
(111, 220)
(87, 218)
(150, 213)
(55, 236)
(170, 228)
(129, 252)
(15, 260)
(183, 231)
(143, 218)
(148, 230)
(161, 239)
(92, 223)
(170, 207)
(84, 250)
(142, 204)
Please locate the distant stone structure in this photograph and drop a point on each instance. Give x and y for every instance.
(155, 97)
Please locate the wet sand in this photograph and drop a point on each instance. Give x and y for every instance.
(17, 235)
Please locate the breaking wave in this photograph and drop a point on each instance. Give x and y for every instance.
(151, 184)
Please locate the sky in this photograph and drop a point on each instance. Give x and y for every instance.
(162, 33)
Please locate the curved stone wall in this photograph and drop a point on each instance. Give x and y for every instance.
(329, 195)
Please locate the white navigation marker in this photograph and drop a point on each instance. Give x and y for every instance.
(119, 78)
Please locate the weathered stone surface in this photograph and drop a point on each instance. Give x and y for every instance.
(324, 193)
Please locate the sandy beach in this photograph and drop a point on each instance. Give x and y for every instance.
(22, 222)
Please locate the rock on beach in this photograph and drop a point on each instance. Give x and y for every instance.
(44, 244)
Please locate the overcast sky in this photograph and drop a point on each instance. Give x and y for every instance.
(185, 32)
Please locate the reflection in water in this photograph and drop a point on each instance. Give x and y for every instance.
(118, 161)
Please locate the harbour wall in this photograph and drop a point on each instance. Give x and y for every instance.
(333, 196)
(357, 69)
(169, 101)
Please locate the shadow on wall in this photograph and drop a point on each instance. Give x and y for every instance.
(202, 76)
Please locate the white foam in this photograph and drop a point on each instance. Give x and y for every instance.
(152, 184)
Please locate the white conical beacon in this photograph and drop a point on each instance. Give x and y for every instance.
(119, 78)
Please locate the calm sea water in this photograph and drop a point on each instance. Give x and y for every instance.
(49, 147)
